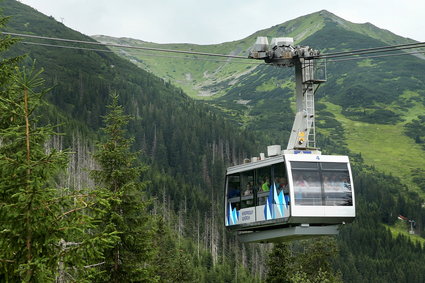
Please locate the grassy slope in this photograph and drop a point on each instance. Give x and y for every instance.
(188, 72)
(384, 146)
(206, 79)
(196, 77)
(402, 228)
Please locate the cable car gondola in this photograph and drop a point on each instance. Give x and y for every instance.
(298, 192)
(289, 196)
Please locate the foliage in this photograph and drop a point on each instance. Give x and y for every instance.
(29, 209)
(119, 173)
(375, 143)
(280, 264)
(171, 262)
(379, 116)
(304, 261)
(188, 145)
(416, 130)
(176, 135)
(44, 228)
(419, 178)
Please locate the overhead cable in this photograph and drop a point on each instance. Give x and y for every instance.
(372, 50)
(375, 56)
(322, 56)
(124, 46)
(65, 46)
(162, 56)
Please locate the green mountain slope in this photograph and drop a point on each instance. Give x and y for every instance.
(203, 77)
(368, 108)
(189, 144)
(186, 143)
(377, 98)
(388, 91)
(83, 79)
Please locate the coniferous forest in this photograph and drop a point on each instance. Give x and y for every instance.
(109, 173)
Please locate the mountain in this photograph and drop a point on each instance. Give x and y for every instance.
(369, 108)
(375, 100)
(197, 77)
(189, 143)
(185, 142)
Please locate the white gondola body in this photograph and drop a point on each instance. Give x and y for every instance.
(324, 197)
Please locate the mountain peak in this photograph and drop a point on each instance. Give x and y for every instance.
(330, 16)
(318, 19)
(327, 14)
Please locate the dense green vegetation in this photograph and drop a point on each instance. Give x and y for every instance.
(188, 144)
(387, 91)
(303, 261)
(375, 142)
(416, 130)
(130, 258)
(46, 230)
(379, 200)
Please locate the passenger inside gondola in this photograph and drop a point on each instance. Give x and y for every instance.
(299, 185)
(248, 191)
(248, 195)
(283, 187)
(265, 187)
(326, 181)
(263, 190)
(337, 188)
(234, 190)
(306, 188)
(300, 182)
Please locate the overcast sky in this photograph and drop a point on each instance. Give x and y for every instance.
(216, 21)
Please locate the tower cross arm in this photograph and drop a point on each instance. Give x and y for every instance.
(308, 76)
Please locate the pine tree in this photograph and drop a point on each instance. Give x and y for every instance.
(38, 218)
(120, 173)
(280, 263)
(44, 229)
(171, 261)
(29, 212)
(303, 261)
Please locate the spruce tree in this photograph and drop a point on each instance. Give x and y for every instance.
(303, 261)
(45, 230)
(280, 264)
(171, 261)
(27, 218)
(29, 228)
(120, 172)
(36, 216)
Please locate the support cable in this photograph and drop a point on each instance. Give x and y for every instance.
(123, 46)
(389, 48)
(372, 50)
(110, 51)
(376, 56)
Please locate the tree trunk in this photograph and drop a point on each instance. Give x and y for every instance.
(29, 208)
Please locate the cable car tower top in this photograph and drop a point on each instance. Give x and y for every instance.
(308, 77)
